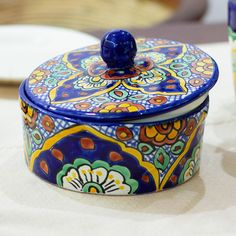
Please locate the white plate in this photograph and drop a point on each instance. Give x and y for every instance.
(24, 47)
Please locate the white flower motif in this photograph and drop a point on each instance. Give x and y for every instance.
(191, 166)
(97, 177)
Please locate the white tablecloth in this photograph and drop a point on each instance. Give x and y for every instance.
(206, 205)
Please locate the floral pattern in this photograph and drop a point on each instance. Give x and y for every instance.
(29, 114)
(162, 134)
(90, 82)
(146, 78)
(164, 72)
(97, 177)
(119, 107)
(203, 67)
(48, 123)
(38, 75)
(127, 158)
(124, 133)
(191, 166)
(141, 158)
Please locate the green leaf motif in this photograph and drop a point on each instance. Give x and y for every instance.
(145, 148)
(162, 159)
(177, 147)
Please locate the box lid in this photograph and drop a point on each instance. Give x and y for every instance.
(121, 81)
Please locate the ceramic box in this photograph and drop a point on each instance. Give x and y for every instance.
(126, 117)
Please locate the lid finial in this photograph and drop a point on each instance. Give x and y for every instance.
(118, 49)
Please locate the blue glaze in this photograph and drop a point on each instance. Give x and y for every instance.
(70, 118)
(232, 14)
(78, 116)
(162, 69)
(61, 143)
(118, 49)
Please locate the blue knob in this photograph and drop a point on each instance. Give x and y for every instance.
(118, 49)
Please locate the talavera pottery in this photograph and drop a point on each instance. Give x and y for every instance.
(130, 125)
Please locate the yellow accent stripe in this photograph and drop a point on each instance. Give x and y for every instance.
(184, 50)
(170, 171)
(52, 93)
(51, 141)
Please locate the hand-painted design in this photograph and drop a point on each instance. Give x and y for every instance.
(61, 70)
(51, 62)
(100, 100)
(115, 157)
(124, 133)
(191, 166)
(203, 67)
(192, 123)
(38, 75)
(158, 100)
(189, 58)
(180, 161)
(90, 83)
(161, 159)
(119, 107)
(29, 114)
(155, 76)
(178, 66)
(51, 82)
(48, 123)
(37, 136)
(118, 94)
(57, 154)
(82, 105)
(44, 166)
(116, 145)
(145, 148)
(87, 143)
(162, 134)
(149, 75)
(184, 73)
(97, 177)
(177, 147)
(96, 147)
(138, 97)
(182, 69)
(39, 90)
(196, 82)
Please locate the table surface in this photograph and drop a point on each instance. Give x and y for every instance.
(206, 205)
(187, 32)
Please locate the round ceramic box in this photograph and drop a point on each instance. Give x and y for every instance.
(118, 119)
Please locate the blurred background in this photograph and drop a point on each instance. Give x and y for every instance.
(183, 20)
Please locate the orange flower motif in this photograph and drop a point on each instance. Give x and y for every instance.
(203, 67)
(124, 133)
(119, 107)
(162, 134)
(48, 123)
